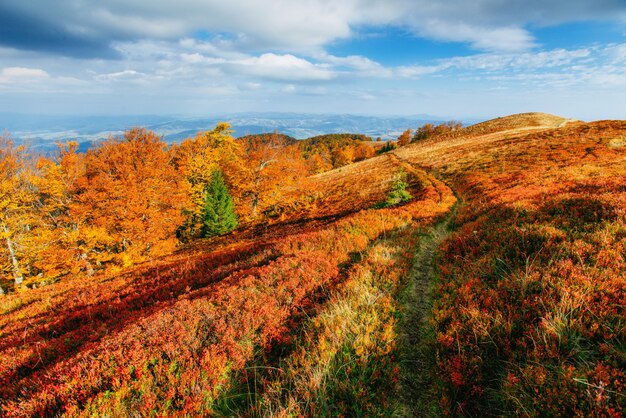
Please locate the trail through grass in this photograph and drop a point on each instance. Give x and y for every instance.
(417, 392)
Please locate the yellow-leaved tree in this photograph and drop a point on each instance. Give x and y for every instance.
(16, 210)
(197, 159)
(62, 222)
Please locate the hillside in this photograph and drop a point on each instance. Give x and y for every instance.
(532, 281)
(350, 307)
(521, 121)
(282, 138)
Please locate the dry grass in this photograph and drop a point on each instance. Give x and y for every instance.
(531, 303)
(619, 142)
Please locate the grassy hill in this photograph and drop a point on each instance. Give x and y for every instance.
(528, 317)
(523, 311)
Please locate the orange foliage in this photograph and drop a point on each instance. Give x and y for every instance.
(60, 217)
(131, 198)
(405, 138)
(529, 314)
(270, 166)
(166, 339)
(326, 152)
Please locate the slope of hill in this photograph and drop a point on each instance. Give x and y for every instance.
(532, 120)
(305, 318)
(529, 314)
(173, 335)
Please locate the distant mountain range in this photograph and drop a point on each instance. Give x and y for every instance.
(42, 132)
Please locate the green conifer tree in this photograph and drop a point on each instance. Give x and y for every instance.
(398, 193)
(218, 215)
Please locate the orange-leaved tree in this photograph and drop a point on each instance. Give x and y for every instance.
(62, 221)
(405, 138)
(132, 198)
(271, 167)
(197, 159)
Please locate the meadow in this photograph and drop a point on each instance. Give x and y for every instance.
(529, 313)
(306, 311)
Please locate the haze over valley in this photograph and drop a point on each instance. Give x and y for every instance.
(44, 132)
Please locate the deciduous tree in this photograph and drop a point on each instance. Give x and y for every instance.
(133, 197)
(270, 167)
(405, 138)
(16, 199)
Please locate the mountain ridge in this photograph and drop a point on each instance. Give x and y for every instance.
(87, 130)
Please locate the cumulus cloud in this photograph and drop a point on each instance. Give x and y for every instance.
(483, 38)
(281, 67)
(27, 79)
(196, 51)
(73, 29)
(181, 63)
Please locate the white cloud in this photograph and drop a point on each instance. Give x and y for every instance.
(309, 25)
(525, 62)
(282, 67)
(188, 60)
(21, 74)
(27, 79)
(256, 53)
(132, 24)
(121, 75)
(617, 52)
(357, 64)
(480, 37)
(416, 71)
(512, 61)
(250, 86)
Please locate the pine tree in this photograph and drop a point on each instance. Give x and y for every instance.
(398, 193)
(218, 215)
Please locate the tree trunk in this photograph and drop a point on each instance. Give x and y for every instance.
(19, 278)
(1, 291)
(255, 204)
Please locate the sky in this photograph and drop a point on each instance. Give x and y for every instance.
(451, 58)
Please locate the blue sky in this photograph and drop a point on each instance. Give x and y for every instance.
(453, 58)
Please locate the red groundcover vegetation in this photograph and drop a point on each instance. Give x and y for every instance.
(167, 337)
(529, 315)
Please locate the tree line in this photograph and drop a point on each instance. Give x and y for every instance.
(135, 197)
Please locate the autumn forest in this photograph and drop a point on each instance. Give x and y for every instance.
(133, 198)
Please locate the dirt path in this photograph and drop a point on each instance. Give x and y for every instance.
(416, 396)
